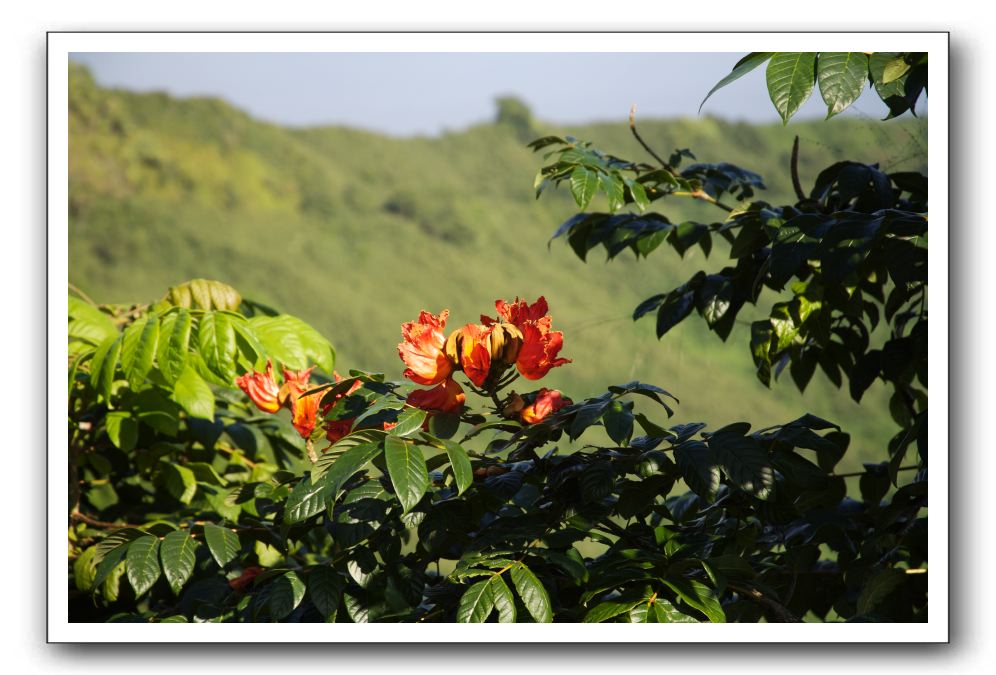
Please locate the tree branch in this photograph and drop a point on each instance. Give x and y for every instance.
(636, 135)
(781, 612)
(796, 184)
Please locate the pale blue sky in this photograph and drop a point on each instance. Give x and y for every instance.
(426, 93)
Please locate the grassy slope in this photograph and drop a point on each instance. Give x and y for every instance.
(355, 232)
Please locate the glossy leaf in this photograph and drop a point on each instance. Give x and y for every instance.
(463, 474)
(193, 394)
(104, 365)
(286, 593)
(174, 343)
(406, 468)
(177, 554)
(143, 563)
(741, 68)
(216, 344)
(138, 350)
(222, 542)
(584, 182)
(790, 77)
(842, 77)
(532, 592)
(324, 590)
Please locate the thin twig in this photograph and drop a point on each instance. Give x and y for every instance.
(83, 296)
(636, 135)
(862, 473)
(103, 524)
(780, 611)
(796, 184)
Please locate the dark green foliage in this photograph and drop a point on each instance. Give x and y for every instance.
(899, 78)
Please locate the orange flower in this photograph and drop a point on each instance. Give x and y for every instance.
(540, 343)
(304, 409)
(337, 429)
(240, 583)
(447, 397)
(261, 389)
(519, 311)
(422, 348)
(540, 346)
(471, 348)
(547, 402)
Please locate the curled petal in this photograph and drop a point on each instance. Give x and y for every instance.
(261, 389)
(337, 429)
(475, 352)
(547, 402)
(304, 410)
(446, 397)
(240, 583)
(540, 346)
(520, 311)
(422, 348)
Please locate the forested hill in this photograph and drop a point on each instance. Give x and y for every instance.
(356, 232)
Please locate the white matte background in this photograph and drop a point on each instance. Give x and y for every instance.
(23, 335)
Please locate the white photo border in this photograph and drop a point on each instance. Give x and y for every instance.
(62, 44)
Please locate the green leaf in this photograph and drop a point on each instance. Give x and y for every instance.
(216, 343)
(88, 323)
(180, 482)
(533, 595)
(222, 542)
(476, 603)
(85, 570)
(143, 563)
(463, 474)
(584, 182)
(103, 365)
(673, 312)
(665, 612)
(174, 342)
(286, 593)
(309, 497)
(406, 468)
(116, 540)
(122, 429)
(292, 342)
(177, 553)
(878, 588)
(700, 597)
(888, 67)
(741, 68)
(203, 294)
(409, 421)
(138, 350)
(609, 609)
(618, 421)
(193, 394)
(504, 600)
(107, 566)
(342, 468)
(444, 425)
(744, 461)
(324, 588)
(614, 189)
(842, 77)
(790, 77)
(698, 468)
(638, 193)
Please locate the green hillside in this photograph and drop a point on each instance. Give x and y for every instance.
(356, 232)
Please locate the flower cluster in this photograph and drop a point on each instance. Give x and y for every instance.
(262, 389)
(521, 336)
